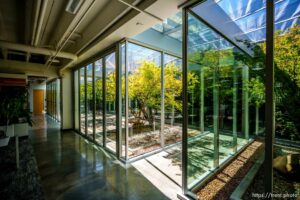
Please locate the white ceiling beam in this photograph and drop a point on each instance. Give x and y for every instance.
(40, 23)
(36, 50)
(35, 20)
(34, 69)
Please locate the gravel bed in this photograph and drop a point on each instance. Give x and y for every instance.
(283, 187)
(222, 185)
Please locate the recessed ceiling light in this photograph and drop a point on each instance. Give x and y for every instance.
(73, 6)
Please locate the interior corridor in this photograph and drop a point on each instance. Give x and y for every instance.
(72, 168)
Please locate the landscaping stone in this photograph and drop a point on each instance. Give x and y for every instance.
(23, 183)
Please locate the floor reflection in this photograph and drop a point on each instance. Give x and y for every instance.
(72, 168)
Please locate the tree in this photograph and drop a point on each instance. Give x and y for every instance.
(256, 89)
(144, 87)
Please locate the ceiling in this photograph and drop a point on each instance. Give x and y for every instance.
(43, 36)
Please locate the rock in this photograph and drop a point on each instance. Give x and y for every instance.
(288, 164)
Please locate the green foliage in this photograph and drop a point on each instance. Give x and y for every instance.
(144, 86)
(111, 87)
(173, 86)
(287, 78)
(98, 90)
(287, 49)
(256, 89)
(285, 128)
(13, 105)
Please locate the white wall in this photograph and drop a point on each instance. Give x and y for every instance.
(66, 100)
(36, 87)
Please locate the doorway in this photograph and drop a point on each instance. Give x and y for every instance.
(38, 101)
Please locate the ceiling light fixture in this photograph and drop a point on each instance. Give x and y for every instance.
(73, 6)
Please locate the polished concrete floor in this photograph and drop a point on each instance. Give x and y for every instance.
(72, 168)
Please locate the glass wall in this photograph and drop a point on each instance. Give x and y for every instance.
(152, 103)
(53, 99)
(95, 98)
(144, 99)
(217, 100)
(151, 94)
(226, 74)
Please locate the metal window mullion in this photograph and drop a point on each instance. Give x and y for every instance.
(162, 117)
(270, 104)
(126, 100)
(85, 101)
(185, 101)
(234, 110)
(94, 102)
(78, 103)
(216, 115)
(246, 102)
(118, 101)
(104, 101)
(202, 100)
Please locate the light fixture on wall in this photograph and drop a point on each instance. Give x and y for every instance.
(73, 6)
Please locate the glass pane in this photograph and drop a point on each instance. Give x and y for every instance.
(144, 103)
(202, 92)
(89, 99)
(82, 100)
(53, 99)
(172, 99)
(110, 117)
(218, 101)
(76, 101)
(58, 100)
(99, 101)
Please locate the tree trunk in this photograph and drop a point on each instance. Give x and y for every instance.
(256, 119)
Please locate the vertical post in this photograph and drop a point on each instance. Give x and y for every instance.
(234, 109)
(85, 102)
(103, 102)
(126, 101)
(118, 102)
(246, 101)
(78, 105)
(202, 100)
(185, 100)
(216, 116)
(256, 119)
(162, 116)
(270, 105)
(94, 102)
